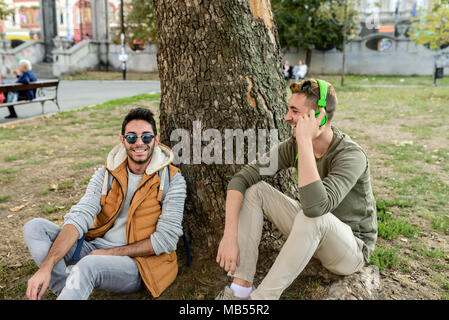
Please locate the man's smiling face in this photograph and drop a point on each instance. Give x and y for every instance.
(139, 152)
(297, 106)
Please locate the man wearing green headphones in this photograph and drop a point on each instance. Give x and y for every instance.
(334, 221)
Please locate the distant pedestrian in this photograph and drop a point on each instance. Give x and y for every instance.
(300, 71)
(288, 70)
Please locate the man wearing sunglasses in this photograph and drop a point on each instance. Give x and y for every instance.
(121, 232)
(335, 219)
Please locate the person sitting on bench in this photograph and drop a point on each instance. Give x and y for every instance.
(131, 229)
(25, 76)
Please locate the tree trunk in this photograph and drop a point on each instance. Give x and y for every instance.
(345, 27)
(308, 58)
(219, 63)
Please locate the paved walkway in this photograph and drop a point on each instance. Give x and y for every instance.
(78, 94)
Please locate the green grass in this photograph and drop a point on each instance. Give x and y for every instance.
(13, 280)
(14, 158)
(432, 253)
(46, 191)
(443, 281)
(48, 209)
(7, 175)
(83, 165)
(5, 198)
(111, 75)
(441, 224)
(66, 185)
(297, 294)
(85, 181)
(357, 80)
(439, 266)
(390, 227)
(385, 258)
(35, 162)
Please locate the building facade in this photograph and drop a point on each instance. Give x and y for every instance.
(74, 18)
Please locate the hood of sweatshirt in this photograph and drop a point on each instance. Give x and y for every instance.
(162, 157)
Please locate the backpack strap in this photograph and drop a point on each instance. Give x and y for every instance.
(164, 176)
(107, 185)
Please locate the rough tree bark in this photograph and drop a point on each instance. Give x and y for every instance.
(219, 63)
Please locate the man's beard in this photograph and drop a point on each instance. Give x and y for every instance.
(150, 154)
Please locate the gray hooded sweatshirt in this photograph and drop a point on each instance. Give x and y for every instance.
(169, 225)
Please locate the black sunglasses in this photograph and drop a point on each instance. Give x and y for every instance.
(132, 138)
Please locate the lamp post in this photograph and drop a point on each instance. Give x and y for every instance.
(81, 19)
(123, 57)
(49, 27)
(69, 36)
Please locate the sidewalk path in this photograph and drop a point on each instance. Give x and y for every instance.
(77, 94)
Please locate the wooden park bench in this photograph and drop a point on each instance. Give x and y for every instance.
(41, 95)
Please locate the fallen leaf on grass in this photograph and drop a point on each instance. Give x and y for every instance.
(402, 143)
(10, 216)
(16, 265)
(53, 186)
(49, 152)
(18, 208)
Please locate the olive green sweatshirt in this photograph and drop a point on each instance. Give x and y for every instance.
(344, 188)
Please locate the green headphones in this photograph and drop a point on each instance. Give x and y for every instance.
(322, 102)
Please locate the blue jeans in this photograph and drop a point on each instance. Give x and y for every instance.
(12, 97)
(111, 273)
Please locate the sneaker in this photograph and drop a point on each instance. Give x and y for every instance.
(227, 294)
(11, 116)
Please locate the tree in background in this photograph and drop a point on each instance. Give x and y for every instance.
(4, 11)
(431, 27)
(310, 24)
(140, 21)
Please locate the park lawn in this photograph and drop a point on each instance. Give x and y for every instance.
(350, 79)
(379, 80)
(46, 163)
(113, 75)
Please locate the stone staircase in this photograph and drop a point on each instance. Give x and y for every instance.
(43, 70)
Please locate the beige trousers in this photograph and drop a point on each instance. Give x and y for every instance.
(325, 238)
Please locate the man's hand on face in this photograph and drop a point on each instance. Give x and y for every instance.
(308, 127)
(38, 283)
